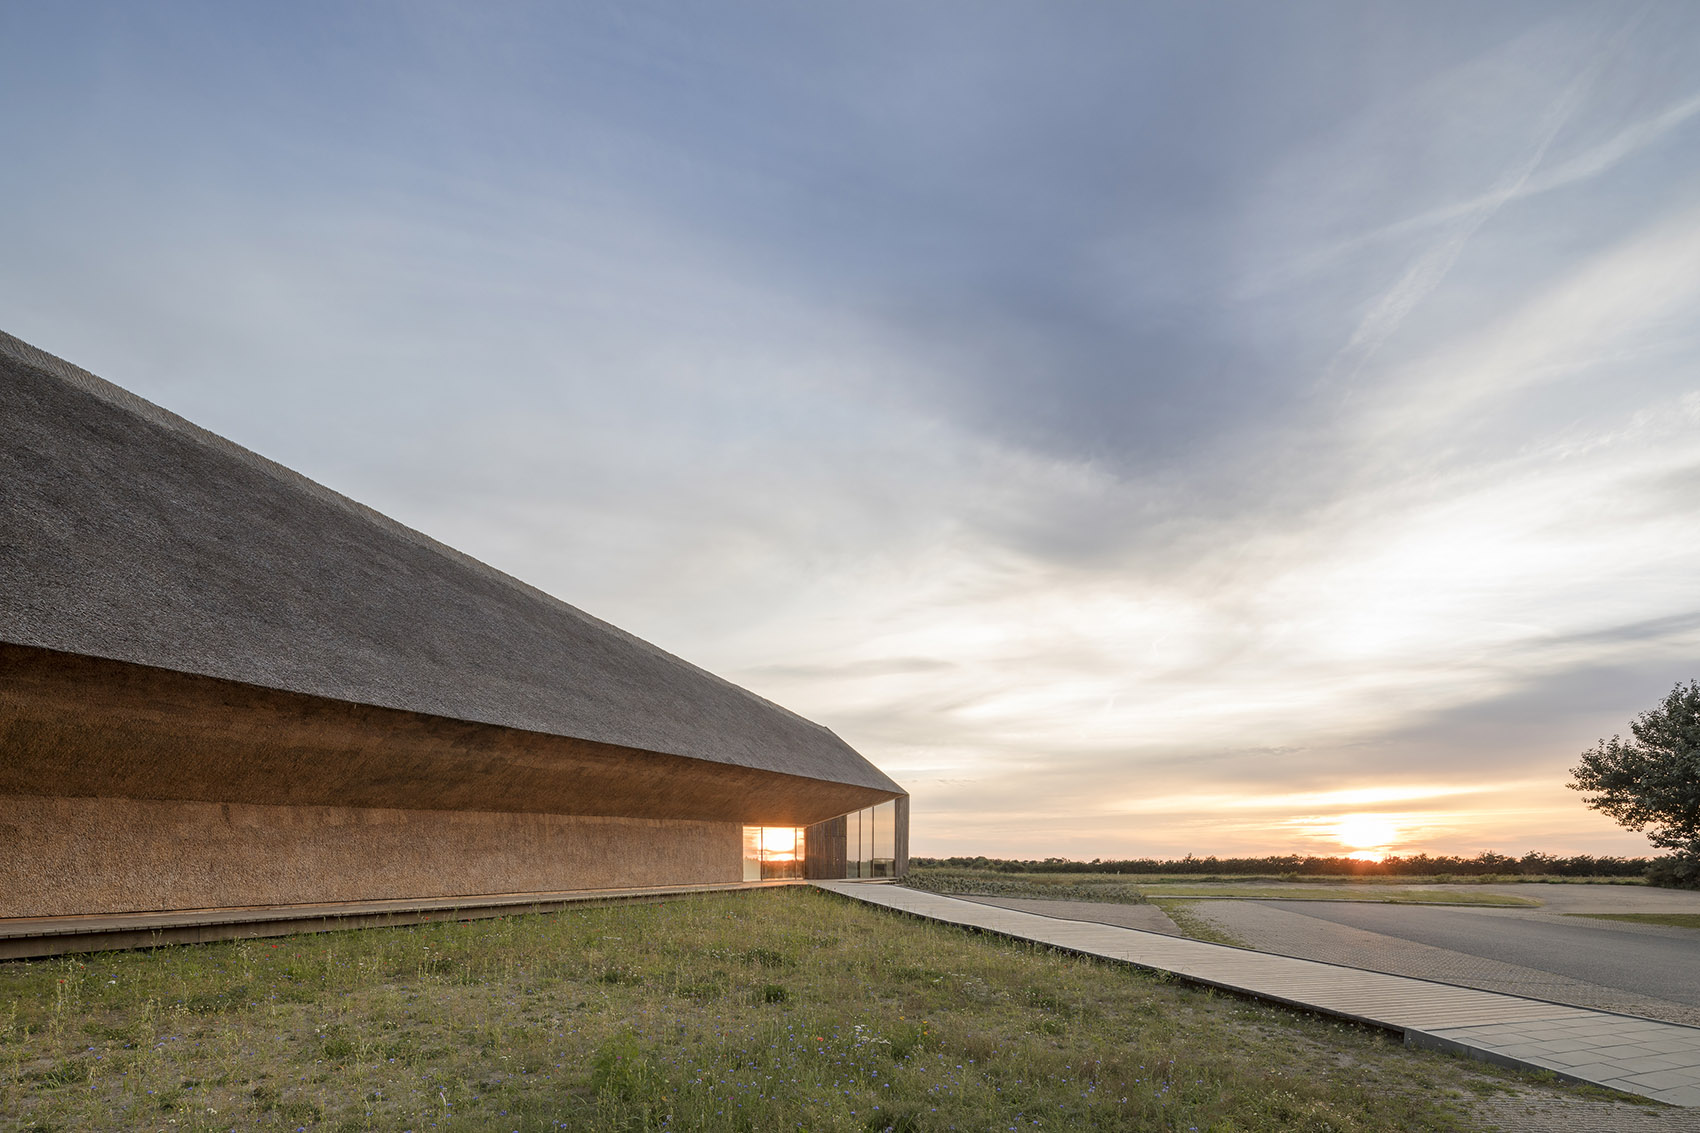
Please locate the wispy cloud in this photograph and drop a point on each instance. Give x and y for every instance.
(1626, 142)
(1389, 310)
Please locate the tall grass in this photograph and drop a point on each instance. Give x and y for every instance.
(773, 1010)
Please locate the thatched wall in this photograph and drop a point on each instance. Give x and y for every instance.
(90, 856)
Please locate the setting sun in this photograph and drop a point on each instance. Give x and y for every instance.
(1367, 835)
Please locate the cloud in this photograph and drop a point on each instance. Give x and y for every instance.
(1626, 142)
(959, 383)
(1621, 142)
(1597, 315)
(1389, 310)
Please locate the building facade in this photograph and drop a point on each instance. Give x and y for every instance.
(224, 685)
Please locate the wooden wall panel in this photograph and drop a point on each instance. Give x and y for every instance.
(824, 847)
(902, 847)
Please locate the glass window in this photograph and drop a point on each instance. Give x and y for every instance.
(773, 852)
(884, 856)
(852, 845)
(870, 841)
(752, 853)
(781, 852)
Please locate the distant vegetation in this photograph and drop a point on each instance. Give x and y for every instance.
(1295, 865)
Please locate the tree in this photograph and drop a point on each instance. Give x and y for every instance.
(1652, 782)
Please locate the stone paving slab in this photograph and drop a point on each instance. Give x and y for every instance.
(1623, 1052)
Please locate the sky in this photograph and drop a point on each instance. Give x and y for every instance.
(1146, 429)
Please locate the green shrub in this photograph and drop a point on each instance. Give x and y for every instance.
(1675, 871)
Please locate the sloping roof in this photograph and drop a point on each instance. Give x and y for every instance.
(131, 534)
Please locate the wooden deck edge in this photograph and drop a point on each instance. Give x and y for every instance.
(30, 938)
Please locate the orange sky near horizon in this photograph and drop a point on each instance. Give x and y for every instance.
(1512, 818)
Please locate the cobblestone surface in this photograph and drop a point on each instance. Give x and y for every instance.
(1531, 1112)
(1270, 928)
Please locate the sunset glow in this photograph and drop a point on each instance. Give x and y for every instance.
(1368, 836)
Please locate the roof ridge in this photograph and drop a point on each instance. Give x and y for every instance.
(116, 395)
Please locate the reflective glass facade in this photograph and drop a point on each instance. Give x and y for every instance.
(870, 842)
(773, 852)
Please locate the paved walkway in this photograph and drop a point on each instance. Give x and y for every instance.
(1639, 1056)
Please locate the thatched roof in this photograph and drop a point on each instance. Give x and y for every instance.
(130, 534)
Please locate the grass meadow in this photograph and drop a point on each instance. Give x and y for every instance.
(781, 1009)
